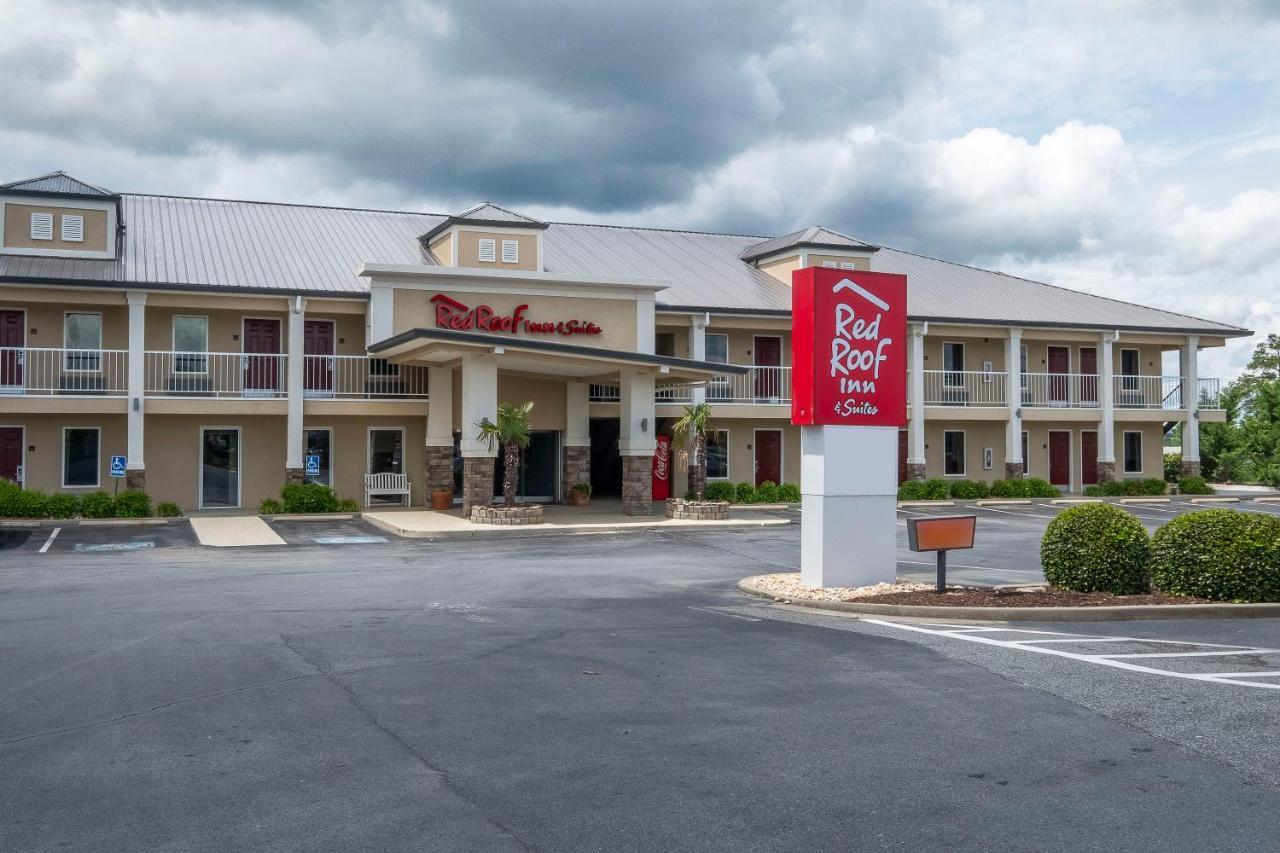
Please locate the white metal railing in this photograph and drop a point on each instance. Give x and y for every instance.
(41, 371)
(964, 388)
(358, 377)
(215, 374)
(1061, 390)
(1210, 393)
(759, 385)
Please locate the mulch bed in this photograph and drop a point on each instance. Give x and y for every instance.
(1016, 598)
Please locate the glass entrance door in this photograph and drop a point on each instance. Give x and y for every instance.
(539, 478)
(219, 468)
(386, 456)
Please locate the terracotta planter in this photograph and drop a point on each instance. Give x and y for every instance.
(442, 499)
(577, 498)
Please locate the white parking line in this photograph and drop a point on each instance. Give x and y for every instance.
(1113, 661)
(1195, 654)
(52, 536)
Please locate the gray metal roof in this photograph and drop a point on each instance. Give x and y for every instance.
(56, 183)
(188, 243)
(815, 237)
(490, 212)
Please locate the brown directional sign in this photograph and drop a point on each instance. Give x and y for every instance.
(941, 533)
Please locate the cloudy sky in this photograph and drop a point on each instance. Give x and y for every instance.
(1126, 148)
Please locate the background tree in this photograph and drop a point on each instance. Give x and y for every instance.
(511, 433)
(695, 425)
(1246, 447)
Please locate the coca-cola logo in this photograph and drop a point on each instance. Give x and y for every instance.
(661, 460)
(455, 315)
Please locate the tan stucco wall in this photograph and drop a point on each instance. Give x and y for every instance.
(976, 351)
(351, 451)
(742, 447)
(226, 328)
(45, 321)
(547, 396)
(469, 250)
(17, 228)
(781, 268)
(443, 249)
(43, 465)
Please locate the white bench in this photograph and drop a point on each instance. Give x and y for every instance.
(386, 484)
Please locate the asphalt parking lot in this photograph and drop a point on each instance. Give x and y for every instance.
(585, 693)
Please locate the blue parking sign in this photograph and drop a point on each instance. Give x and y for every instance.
(312, 467)
(117, 466)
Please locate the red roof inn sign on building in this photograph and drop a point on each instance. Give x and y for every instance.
(452, 314)
(849, 357)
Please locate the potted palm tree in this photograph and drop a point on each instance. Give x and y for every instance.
(510, 433)
(696, 425)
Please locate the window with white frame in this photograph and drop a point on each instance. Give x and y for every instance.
(717, 351)
(718, 455)
(953, 364)
(319, 442)
(190, 344)
(1133, 453)
(72, 229)
(80, 459)
(953, 453)
(510, 251)
(488, 250)
(42, 226)
(82, 341)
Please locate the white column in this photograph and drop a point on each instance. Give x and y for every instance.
(440, 407)
(1013, 398)
(479, 401)
(295, 372)
(135, 451)
(848, 486)
(915, 427)
(1191, 401)
(1107, 400)
(577, 415)
(636, 414)
(698, 352)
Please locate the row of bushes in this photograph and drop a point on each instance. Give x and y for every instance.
(767, 492)
(16, 502)
(939, 489)
(1147, 488)
(1218, 554)
(307, 498)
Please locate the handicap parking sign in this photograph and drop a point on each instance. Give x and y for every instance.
(117, 466)
(313, 466)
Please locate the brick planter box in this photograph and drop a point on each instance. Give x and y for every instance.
(523, 514)
(697, 510)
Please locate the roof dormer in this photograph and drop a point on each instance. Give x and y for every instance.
(809, 247)
(487, 237)
(56, 215)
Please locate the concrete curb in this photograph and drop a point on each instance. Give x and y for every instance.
(120, 522)
(85, 522)
(1126, 613)
(525, 531)
(1215, 500)
(774, 507)
(1075, 501)
(1145, 500)
(318, 516)
(1004, 502)
(903, 504)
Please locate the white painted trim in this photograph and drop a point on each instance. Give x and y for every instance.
(22, 481)
(1124, 454)
(1071, 456)
(332, 450)
(782, 453)
(66, 203)
(964, 456)
(62, 481)
(200, 431)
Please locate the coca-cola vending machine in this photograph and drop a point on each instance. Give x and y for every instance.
(662, 469)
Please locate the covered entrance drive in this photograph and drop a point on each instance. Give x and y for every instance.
(561, 452)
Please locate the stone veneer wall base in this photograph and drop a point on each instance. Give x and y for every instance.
(439, 470)
(477, 482)
(915, 471)
(577, 469)
(697, 510)
(135, 480)
(1190, 468)
(1013, 471)
(507, 515)
(1106, 472)
(637, 485)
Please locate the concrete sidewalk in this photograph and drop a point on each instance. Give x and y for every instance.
(233, 531)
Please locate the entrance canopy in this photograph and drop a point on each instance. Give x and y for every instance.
(446, 347)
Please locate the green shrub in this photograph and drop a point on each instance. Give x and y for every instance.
(308, 497)
(1194, 486)
(720, 491)
(1151, 487)
(1096, 548)
(270, 506)
(62, 506)
(936, 489)
(9, 492)
(789, 493)
(348, 505)
(1127, 488)
(1035, 487)
(767, 492)
(1220, 554)
(133, 503)
(97, 505)
(968, 489)
(744, 493)
(1172, 467)
(168, 509)
(30, 503)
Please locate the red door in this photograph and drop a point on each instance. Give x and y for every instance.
(1059, 367)
(12, 325)
(263, 338)
(10, 453)
(317, 342)
(1088, 457)
(768, 354)
(768, 455)
(1089, 375)
(1060, 458)
(902, 456)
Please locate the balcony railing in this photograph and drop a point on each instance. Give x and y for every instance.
(215, 374)
(356, 377)
(33, 371)
(1063, 390)
(759, 386)
(964, 388)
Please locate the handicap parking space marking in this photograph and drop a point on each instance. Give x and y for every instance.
(113, 546)
(44, 549)
(361, 539)
(1039, 642)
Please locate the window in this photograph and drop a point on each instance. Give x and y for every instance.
(318, 442)
(82, 339)
(1130, 367)
(847, 265)
(1133, 453)
(510, 252)
(953, 364)
(718, 349)
(829, 264)
(1026, 464)
(80, 457)
(664, 343)
(42, 226)
(73, 229)
(953, 453)
(718, 455)
(190, 344)
(487, 250)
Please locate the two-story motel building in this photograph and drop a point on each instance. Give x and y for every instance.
(217, 344)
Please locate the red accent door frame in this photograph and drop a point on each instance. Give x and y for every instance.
(13, 338)
(261, 337)
(12, 453)
(1060, 457)
(767, 444)
(318, 337)
(1088, 457)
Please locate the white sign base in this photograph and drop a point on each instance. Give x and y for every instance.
(849, 491)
